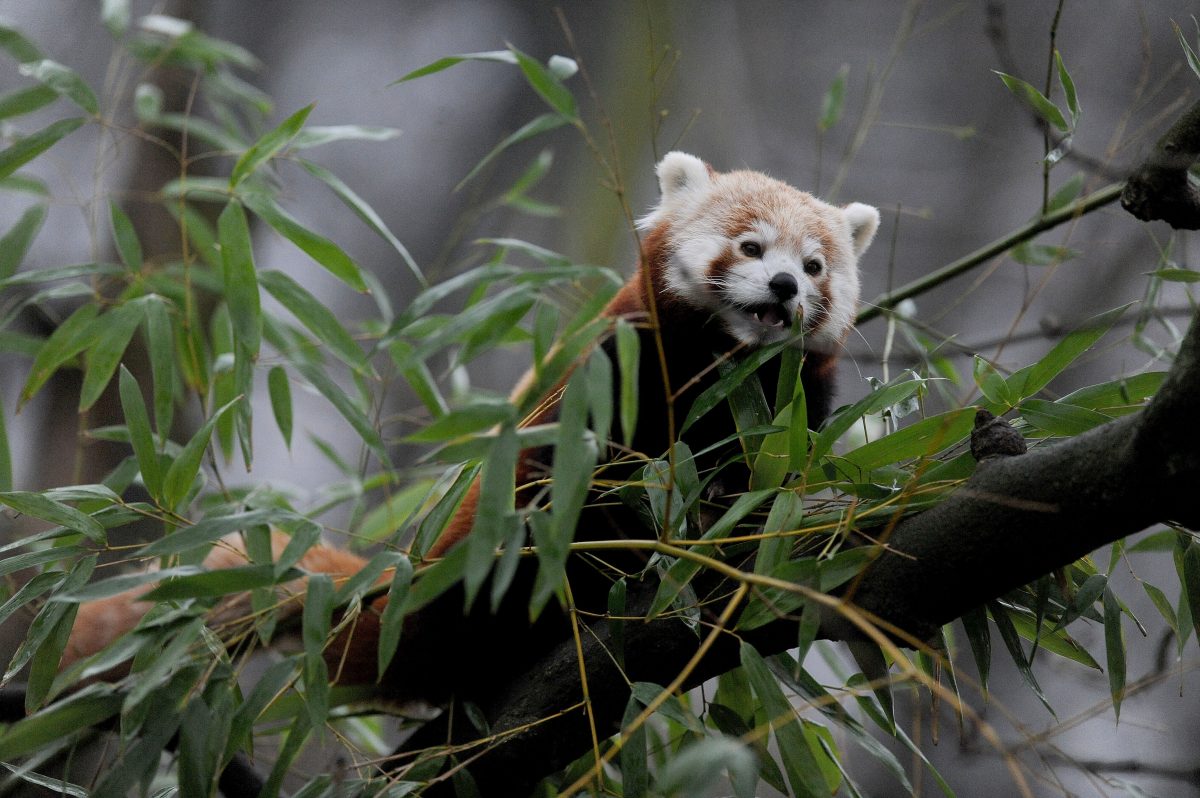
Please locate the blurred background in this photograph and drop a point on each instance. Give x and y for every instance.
(927, 133)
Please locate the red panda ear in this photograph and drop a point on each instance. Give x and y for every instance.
(680, 175)
(864, 221)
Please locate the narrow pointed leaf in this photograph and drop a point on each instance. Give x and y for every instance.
(37, 505)
(63, 80)
(280, 391)
(319, 248)
(313, 314)
(268, 146)
(138, 423)
(1036, 100)
(183, 470)
(68, 340)
(365, 212)
(318, 613)
(801, 765)
(391, 623)
(113, 332)
(125, 237)
(15, 243)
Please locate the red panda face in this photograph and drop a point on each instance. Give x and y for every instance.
(759, 254)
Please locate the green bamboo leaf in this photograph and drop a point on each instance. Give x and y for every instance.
(318, 613)
(501, 56)
(628, 357)
(313, 314)
(1031, 379)
(1012, 641)
(535, 127)
(1052, 639)
(547, 85)
(19, 47)
(1190, 577)
(268, 146)
(222, 582)
(280, 391)
(68, 340)
(391, 623)
(833, 100)
(37, 505)
(1114, 646)
(921, 439)
(346, 407)
(575, 455)
(452, 486)
(6, 472)
(1192, 58)
(1176, 275)
(112, 333)
(598, 373)
(1159, 599)
(990, 383)
(897, 390)
(322, 250)
(799, 760)
(681, 572)
(1123, 393)
(210, 529)
(481, 414)
(979, 636)
(241, 284)
(86, 708)
(185, 467)
(496, 513)
(27, 100)
(1060, 419)
(15, 243)
(635, 771)
(365, 212)
(729, 380)
(696, 767)
(303, 535)
(38, 276)
(47, 629)
(138, 422)
(160, 341)
(125, 237)
(63, 80)
(1035, 100)
(1064, 78)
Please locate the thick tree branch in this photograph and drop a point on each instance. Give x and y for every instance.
(1162, 187)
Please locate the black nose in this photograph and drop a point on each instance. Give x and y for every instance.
(783, 286)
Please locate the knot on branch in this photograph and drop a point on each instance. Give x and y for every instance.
(1162, 187)
(994, 437)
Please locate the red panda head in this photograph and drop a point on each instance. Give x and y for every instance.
(757, 253)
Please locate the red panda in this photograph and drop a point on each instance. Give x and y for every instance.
(729, 260)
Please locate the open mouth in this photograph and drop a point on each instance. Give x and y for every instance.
(769, 314)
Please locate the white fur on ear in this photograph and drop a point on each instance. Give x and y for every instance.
(680, 174)
(864, 221)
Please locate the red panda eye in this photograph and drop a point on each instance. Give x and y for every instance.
(752, 249)
(812, 267)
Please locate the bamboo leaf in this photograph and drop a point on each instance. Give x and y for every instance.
(313, 314)
(161, 344)
(547, 85)
(1031, 379)
(33, 145)
(322, 250)
(222, 582)
(241, 283)
(15, 243)
(628, 357)
(367, 214)
(1060, 419)
(922, 439)
(1068, 85)
(63, 80)
(318, 613)
(799, 762)
(268, 146)
(391, 623)
(1035, 100)
(1012, 642)
(501, 56)
(112, 333)
(37, 505)
(280, 391)
(68, 340)
(1114, 646)
(128, 246)
(185, 467)
(88, 707)
(138, 422)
